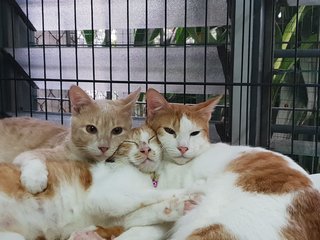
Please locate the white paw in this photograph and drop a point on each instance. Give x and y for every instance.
(34, 176)
(192, 202)
(174, 209)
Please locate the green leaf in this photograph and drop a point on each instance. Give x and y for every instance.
(88, 36)
(152, 34)
(139, 36)
(180, 36)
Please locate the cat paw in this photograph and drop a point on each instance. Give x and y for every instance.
(34, 176)
(192, 202)
(174, 209)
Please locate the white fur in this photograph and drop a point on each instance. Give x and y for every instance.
(223, 202)
(316, 180)
(248, 215)
(10, 236)
(116, 191)
(195, 144)
(34, 173)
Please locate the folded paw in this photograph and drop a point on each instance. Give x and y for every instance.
(173, 209)
(192, 202)
(34, 173)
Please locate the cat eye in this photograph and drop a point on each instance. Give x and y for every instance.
(91, 129)
(117, 130)
(169, 130)
(194, 133)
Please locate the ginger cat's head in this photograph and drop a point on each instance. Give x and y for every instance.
(99, 126)
(141, 148)
(183, 130)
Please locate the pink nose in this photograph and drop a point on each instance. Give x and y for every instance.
(183, 149)
(103, 149)
(145, 150)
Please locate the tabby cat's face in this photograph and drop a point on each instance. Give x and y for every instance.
(99, 126)
(182, 129)
(141, 148)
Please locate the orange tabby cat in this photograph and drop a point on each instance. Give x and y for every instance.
(80, 194)
(97, 128)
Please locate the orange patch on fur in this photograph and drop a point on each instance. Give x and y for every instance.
(212, 232)
(304, 217)
(10, 180)
(110, 232)
(69, 171)
(265, 172)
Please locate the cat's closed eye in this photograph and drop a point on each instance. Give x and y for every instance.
(91, 129)
(169, 130)
(195, 133)
(117, 130)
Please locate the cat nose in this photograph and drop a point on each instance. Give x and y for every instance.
(183, 149)
(103, 149)
(145, 150)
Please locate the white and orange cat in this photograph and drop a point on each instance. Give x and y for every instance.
(97, 129)
(249, 193)
(105, 194)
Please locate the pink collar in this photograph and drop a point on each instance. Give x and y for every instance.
(155, 179)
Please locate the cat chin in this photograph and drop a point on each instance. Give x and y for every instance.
(148, 166)
(181, 160)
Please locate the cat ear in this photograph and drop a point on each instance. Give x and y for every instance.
(155, 102)
(206, 108)
(78, 98)
(130, 101)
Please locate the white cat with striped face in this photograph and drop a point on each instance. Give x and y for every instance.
(141, 148)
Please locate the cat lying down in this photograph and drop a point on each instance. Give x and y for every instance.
(114, 193)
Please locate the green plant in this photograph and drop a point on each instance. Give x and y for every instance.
(307, 36)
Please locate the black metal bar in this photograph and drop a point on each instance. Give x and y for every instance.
(258, 22)
(304, 129)
(128, 44)
(229, 76)
(165, 46)
(60, 62)
(147, 42)
(241, 71)
(76, 39)
(44, 60)
(205, 48)
(14, 56)
(185, 51)
(110, 47)
(92, 49)
(294, 78)
(29, 63)
(252, 92)
(170, 83)
(316, 163)
(300, 53)
(316, 159)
